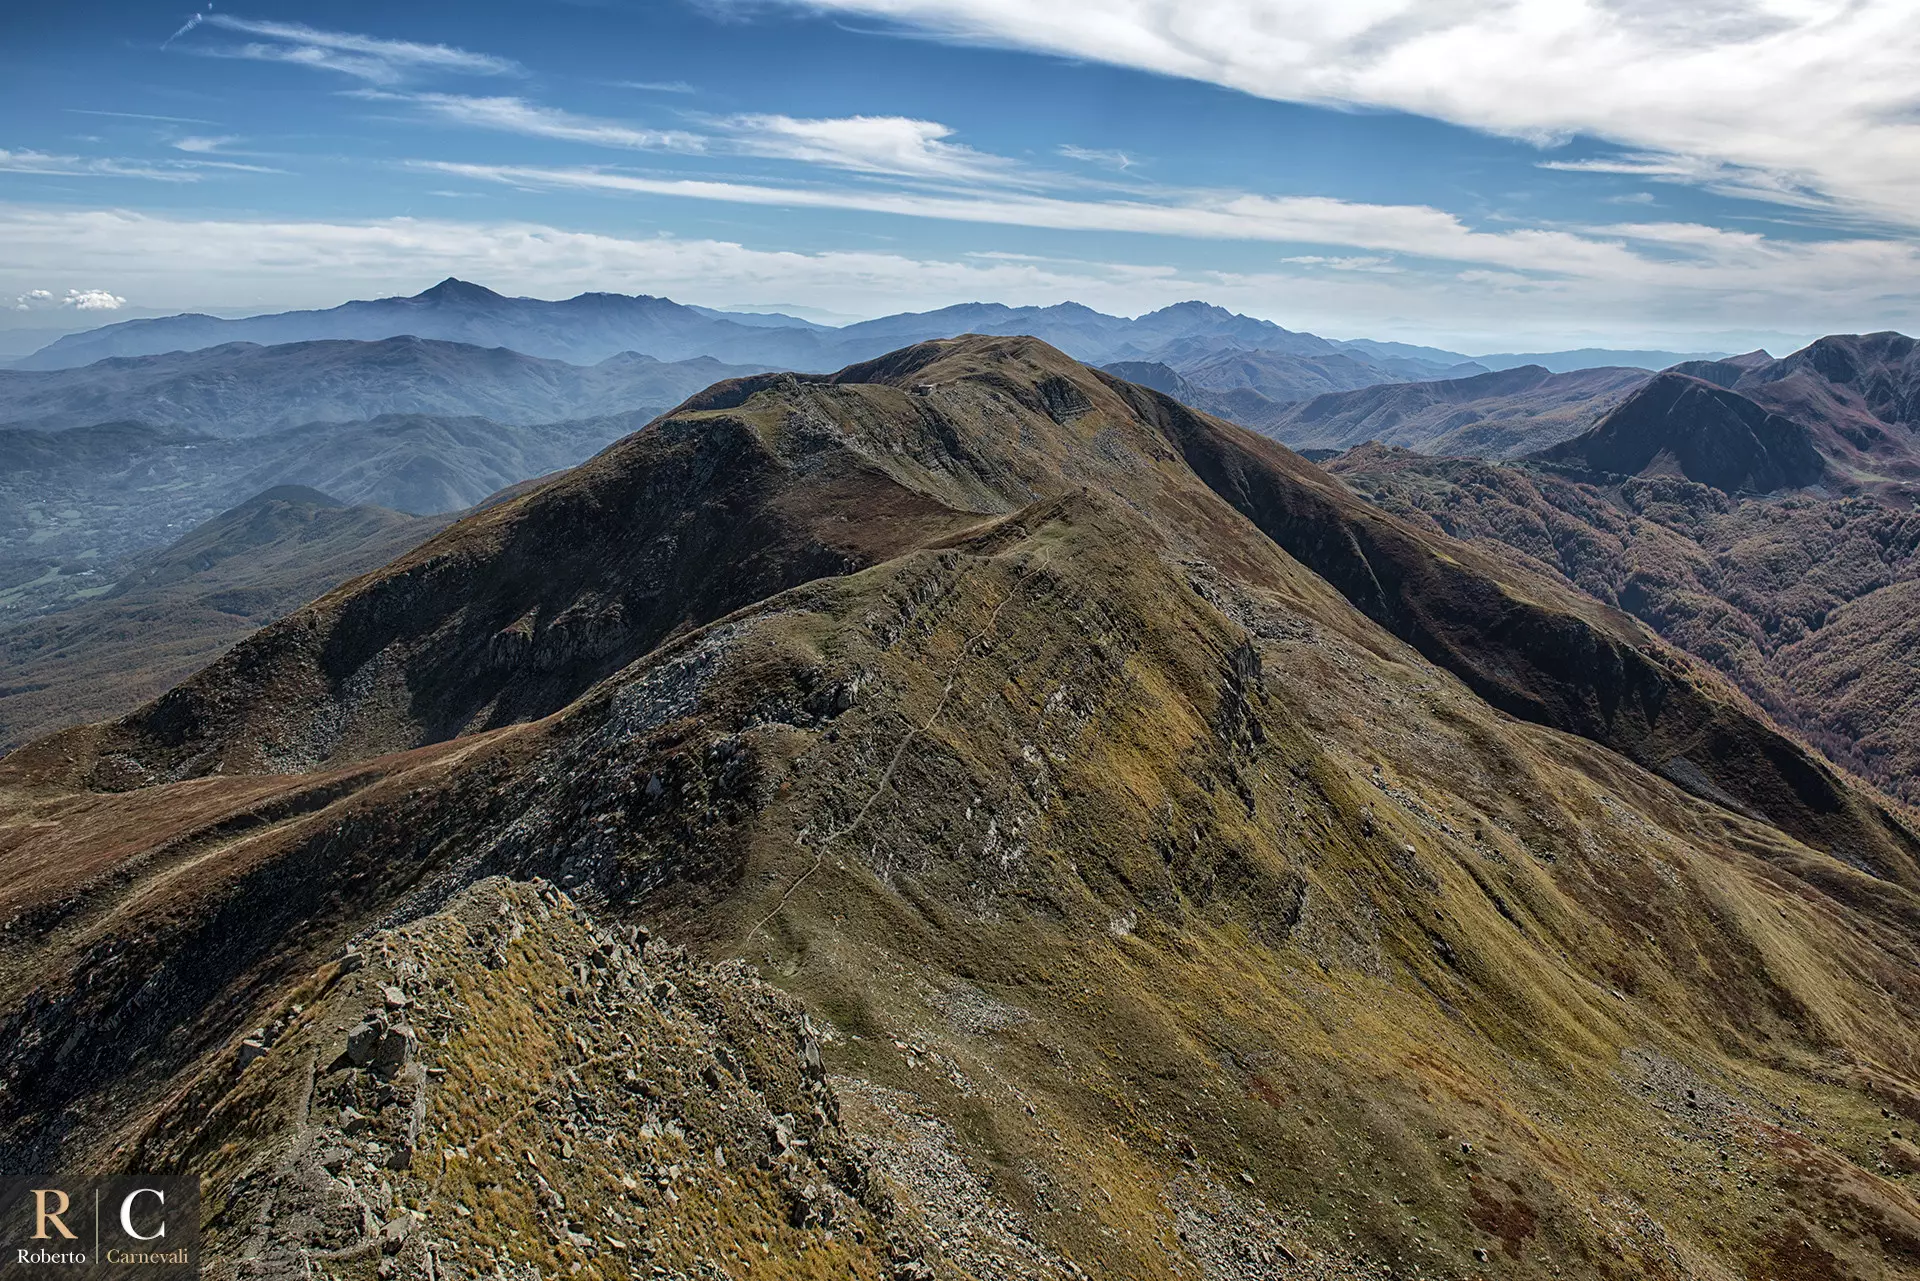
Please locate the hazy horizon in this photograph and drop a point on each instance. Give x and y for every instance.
(19, 324)
(1514, 177)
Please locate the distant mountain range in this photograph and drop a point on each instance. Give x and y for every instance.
(591, 327)
(241, 388)
(1566, 362)
(1842, 413)
(75, 504)
(1491, 415)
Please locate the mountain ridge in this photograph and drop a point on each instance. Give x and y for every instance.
(243, 388)
(1839, 414)
(594, 325)
(1198, 860)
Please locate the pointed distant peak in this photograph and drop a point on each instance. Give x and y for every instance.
(300, 495)
(454, 289)
(1193, 307)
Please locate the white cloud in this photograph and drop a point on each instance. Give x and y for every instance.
(168, 170)
(138, 115)
(368, 58)
(92, 300)
(516, 115)
(75, 299)
(893, 145)
(39, 162)
(201, 146)
(1719, 294)
(1801, 96)
(1109, 159)
(1407, 229)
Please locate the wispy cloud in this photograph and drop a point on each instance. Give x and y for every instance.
(895, 145)
(200, 145)
(139, 115)
(167, 170)
(1819, 97)
(40, 162)
(656, 86)
(1107, 159)
(516, 115)
(192, 21)
(1713, 175)
(1405, 229)
(368, 58)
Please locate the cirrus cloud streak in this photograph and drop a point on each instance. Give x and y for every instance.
(1772, 99)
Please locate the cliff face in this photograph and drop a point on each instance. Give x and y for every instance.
(1185, 867)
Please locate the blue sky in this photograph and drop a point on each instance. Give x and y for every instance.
(1500, 175)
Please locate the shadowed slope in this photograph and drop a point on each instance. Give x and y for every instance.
(1496, 415)
(1688, 427)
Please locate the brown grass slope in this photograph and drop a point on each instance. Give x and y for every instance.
(1222, 930)
(1494, 415)
(1804, 602)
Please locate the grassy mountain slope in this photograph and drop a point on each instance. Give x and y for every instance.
(1802, 602)
(1121, 796)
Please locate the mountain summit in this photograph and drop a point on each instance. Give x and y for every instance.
(1166, 860)
(454, 291)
